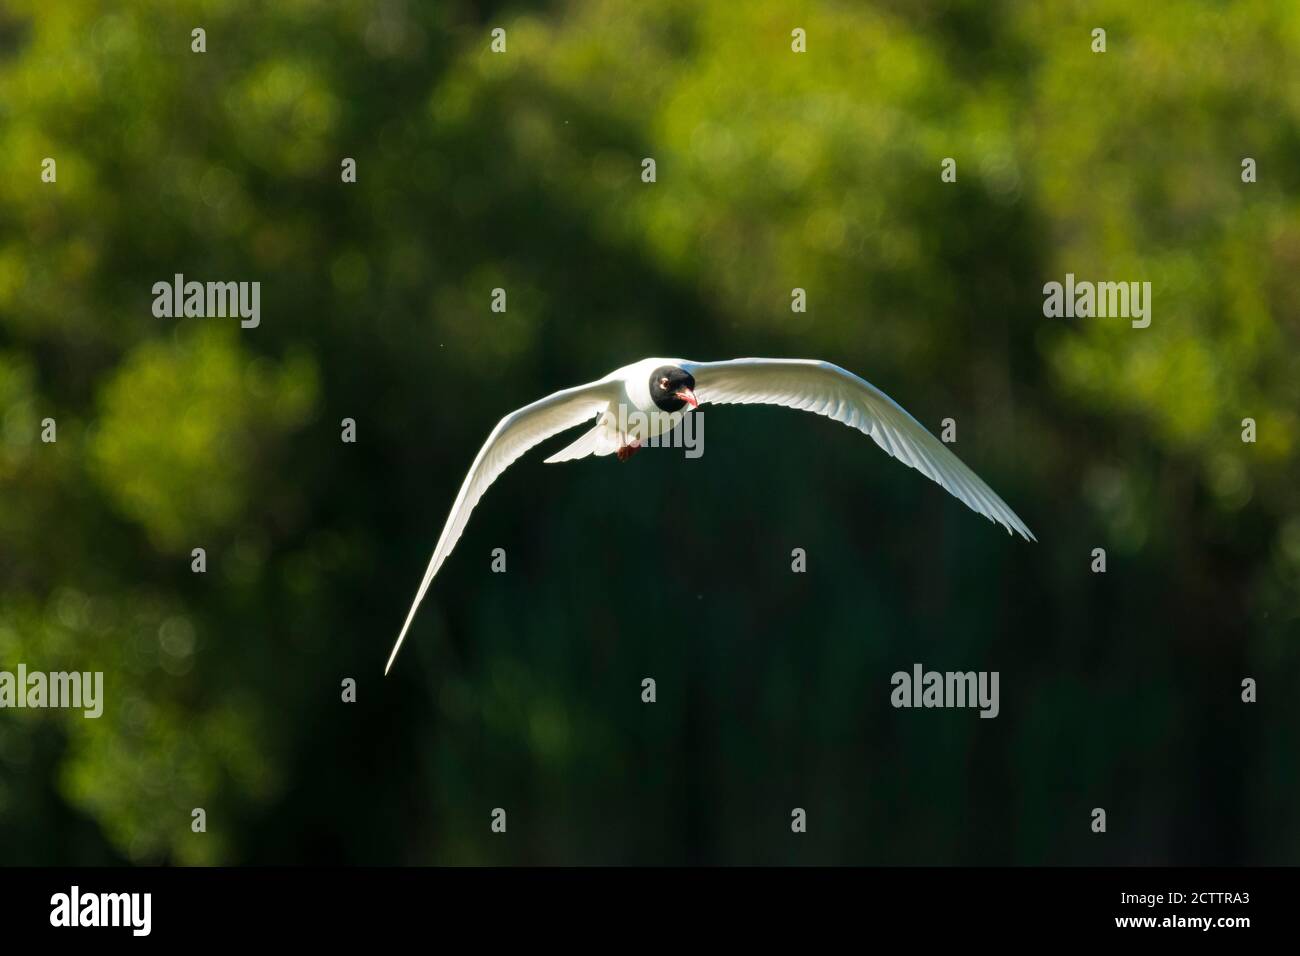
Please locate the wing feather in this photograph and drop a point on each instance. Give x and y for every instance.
(830, 391)
(513, 436)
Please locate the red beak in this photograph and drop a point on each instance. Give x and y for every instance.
(686, 395)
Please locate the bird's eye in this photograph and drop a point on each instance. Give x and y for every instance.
(663, 383)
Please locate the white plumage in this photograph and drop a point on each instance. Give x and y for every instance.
(808, 385)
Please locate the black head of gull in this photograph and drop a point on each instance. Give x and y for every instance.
(672, 388)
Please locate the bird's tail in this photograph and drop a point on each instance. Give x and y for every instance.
(594, 442)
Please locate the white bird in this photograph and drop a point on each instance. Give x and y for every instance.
(649, 398)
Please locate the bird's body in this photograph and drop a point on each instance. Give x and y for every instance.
(631, 419)
(647, 399)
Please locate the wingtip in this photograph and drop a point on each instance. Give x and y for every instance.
(393, 655)
(1016, 527)
(410, 615)
(1020, 528)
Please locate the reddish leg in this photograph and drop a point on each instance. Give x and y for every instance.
(627, 451)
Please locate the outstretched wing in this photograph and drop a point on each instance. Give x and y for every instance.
(514, 435)
(826, 389)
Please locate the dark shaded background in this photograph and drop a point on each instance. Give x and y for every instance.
(522, 690)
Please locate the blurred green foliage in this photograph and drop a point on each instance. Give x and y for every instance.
(774, 170)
